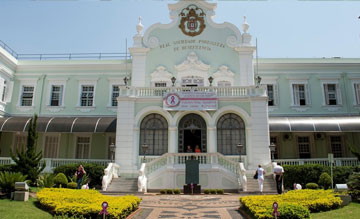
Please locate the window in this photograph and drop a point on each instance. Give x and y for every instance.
(357, 93)
(224, 84)
(20, 142)
(154, 132)
(336, 146)
(304, 147)
(273, 139)
(87, 95)
(300, 94)
(82, 148)
(56, 95)
(114, 95)
(230, 132)
(270, 93)
(160, 84)
(332, 96)
(27, 95)
(51, 146)
(4, 92)
(193, 81)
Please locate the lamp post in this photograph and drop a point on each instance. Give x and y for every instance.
(126, 80)
(112, 151)
(258, 81)
(272, 147)
(173, 80)
(211, 79)
(144, 148)
(239, 148)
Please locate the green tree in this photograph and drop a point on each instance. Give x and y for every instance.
(27, 160)
(354, 151)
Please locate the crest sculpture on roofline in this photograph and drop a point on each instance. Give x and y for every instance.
(192, 21)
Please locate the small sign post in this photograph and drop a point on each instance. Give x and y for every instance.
(331, 162)
(104, 212)
(275, 212)
(192, 188)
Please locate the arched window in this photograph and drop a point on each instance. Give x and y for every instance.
(230, 132)
(154, 132)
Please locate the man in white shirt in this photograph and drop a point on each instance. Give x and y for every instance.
(279, 171)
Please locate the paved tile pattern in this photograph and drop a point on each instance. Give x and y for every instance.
(189, 206)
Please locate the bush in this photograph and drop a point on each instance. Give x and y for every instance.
(293, 211)
(94, 172)
(312, 186)
(60, 180)
(46, 181)
(325, 180)
(72, 185)
(354, 186)
(169, 191)
(212, 191)
(314, 200)
(8, 168)
(177, 191)
(8, 179)
(162, 191)
(207, 191)
(220, 191)
(85, 203)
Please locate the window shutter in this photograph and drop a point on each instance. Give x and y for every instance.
(326, 93)
(357, 93)
(276, 95)
(307, 93)
(338, 95)
(296, 94)
(61, 94)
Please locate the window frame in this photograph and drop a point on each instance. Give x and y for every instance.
(356, 92)
(272, 80)
(22, 135)
(338, 92)
(310, 146)
(89, 82)
(114, 82)
(57, 147)
(27, 82)
(56, 82)
(76, 145)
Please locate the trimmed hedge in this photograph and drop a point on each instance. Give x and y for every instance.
(72, 185)
(93, 171)
(60, 180)
(309, 173)
(312, 186)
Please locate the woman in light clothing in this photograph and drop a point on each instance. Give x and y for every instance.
(260, 172)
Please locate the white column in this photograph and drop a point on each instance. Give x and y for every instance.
(246, 65)
(211, 139)
(124, 154)
(173, 141)
(259, 134)
(138, 66)
(135, 148)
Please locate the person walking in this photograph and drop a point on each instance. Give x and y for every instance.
(279, 172)
(260, 173)
(79, 175)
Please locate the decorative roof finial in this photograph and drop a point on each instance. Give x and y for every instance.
(139, 26)
(245, 25)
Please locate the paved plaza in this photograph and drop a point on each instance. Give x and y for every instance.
(189, 206)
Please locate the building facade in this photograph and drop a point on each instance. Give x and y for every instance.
(191, 82)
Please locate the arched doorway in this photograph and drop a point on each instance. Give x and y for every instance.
(154, 132)
(230, 132)
(192, 131)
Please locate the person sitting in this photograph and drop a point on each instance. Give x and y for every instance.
(197, 149)
(188, 149)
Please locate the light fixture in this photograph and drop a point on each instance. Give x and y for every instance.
(112, 151)
(239, 148)
(144, 148)
(126, 80)
(173, 80)
(258, 81)
(272, 147)
(211, 79)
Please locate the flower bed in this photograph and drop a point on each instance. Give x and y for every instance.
(85, 203)
(297, 202)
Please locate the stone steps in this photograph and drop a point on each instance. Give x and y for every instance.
(269, 185)
(122, 185)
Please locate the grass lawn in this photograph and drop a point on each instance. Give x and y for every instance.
(16, 209)
(349, 212)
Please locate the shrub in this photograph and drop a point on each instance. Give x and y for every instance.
(46, 180)
(312, 186)
(325, 180)
(169, 191)
(85, 203)
(220, 191)
(293, 211)
(93, 171)
(212, 191)
(60, 180)
(354, 186)
(177, 191)
(8, 168)
(72, 185)
(8, 179)
(162, 191)
(207, 191)
(313, 200)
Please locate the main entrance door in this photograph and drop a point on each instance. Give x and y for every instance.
(192, 131)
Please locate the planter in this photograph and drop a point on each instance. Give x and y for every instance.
(346, 199)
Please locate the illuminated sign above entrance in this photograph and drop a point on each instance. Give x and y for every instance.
(190, 100)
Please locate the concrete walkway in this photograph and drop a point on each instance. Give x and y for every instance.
(189, 206)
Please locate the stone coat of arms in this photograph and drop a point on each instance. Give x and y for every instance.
(192, 21)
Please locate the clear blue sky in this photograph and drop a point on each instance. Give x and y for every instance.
(284, 28)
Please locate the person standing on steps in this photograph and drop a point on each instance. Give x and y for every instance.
(279, 172)
(260, 173)
(79, 175)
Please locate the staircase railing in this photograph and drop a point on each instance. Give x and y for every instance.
(110, 172)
